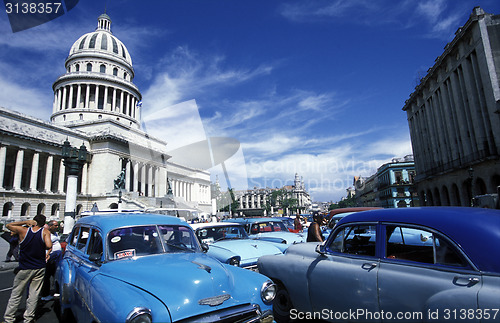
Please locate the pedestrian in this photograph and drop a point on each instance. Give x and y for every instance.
(54, 255)
(297, 224)
(13, 239)
(314, 232)
(34, 242)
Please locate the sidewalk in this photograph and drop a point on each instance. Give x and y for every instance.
(4, 247)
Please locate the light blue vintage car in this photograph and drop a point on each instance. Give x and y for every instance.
(150, 268)
(229, 243)
(270, 229)
(433, 264)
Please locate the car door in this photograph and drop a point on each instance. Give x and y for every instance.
(344, 279)
(424, 276)
(88, 241)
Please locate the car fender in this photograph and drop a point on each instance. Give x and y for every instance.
(222, 254)
(286, 271)
(64, 280)
(113, 299)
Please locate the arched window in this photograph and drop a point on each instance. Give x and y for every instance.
(7, 209)
(77, 67)
(115, 46)
(40, 209)
(81, 116)
(125, 75)
(89, 67)
(115, 71)
(104, 42)
(82, 42)
(103, 68)
(25, 209)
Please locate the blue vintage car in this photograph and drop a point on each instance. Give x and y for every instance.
(270, 229)
(435, 264)
(150, 268)
(229, 243)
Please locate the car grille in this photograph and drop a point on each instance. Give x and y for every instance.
(247, 313)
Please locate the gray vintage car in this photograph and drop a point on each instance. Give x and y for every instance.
(407, 265)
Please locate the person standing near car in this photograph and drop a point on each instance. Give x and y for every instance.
(314, 232)
(34, 242)
(296, 223)
(53, 256)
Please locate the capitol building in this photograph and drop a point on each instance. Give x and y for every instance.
(97, 107)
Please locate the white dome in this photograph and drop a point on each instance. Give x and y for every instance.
(101, 41)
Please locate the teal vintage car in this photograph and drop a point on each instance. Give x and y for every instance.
(229, 243)
(151, 268)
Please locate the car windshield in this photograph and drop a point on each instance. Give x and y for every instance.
(218, 233)
(149, 240)
(263, 227)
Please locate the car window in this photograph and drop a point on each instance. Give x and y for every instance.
(133, 241)
(420, 245)
(213, 234)
(74, 236)
(263, 227)
(178, 239)
(83, 236)
(355, 240)
(95, 243)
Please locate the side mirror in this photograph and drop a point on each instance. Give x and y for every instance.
(96, 258)
(321, 249)
(204, 247)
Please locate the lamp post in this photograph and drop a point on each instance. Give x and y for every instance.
(411, 189)
(471, 180)
(74, 159)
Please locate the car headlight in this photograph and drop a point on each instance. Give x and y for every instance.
(139, 315)
(234, 262)
(268, 292)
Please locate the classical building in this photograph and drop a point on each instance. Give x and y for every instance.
(454, 117)
(391, 187)
(267, 201)
(96, 104)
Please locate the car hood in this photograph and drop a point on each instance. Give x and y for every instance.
(289, 237)
(248, 249)
(180, 281)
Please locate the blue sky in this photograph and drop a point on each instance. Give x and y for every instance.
(309, 87)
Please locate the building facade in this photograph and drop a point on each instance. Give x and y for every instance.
(392, 186)
(96, 104)
(268, 201)
(454, 117)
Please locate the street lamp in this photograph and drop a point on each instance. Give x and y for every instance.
(411, 189)
(471, 178)
(74, 159)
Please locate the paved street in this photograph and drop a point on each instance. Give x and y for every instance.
(45, 313)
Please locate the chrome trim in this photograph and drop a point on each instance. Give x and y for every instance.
(215, 300)
(136, 312)
(264, 288)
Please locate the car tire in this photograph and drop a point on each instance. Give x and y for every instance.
(282, 305)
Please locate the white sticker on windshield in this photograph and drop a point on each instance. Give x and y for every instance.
(115, 239)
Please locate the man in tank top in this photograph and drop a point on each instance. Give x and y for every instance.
(34, 241)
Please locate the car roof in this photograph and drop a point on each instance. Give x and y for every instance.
(351, 210)
(259, 219)
(476, 230)
(112, 221)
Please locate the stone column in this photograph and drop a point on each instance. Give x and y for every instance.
(87, 97)
(127, 176)
(113, 104)
(136, 176)
(84, 178)
(105, 103)
(70, 99)
(150, 181)
(128, 104)
(3, 154)
(78, 95)
(62, 173)
(34, 171)
(121, 102)
(48, 176)
(19, 169)
(142, 188)
(64, 101)
(96, 97)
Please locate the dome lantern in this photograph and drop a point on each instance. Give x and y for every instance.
(104, 23)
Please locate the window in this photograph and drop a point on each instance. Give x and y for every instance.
(82, 43)
(115, 71)
(355, 240)
(104, 42)
(77, 67)
(95, 243)
(92, 41)
(82, 238)
(89, 67)
(178, 239)
(421, 245)
(74, 236)
(102, 68)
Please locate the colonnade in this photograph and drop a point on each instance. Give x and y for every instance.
(23, 169)
(95, 96)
